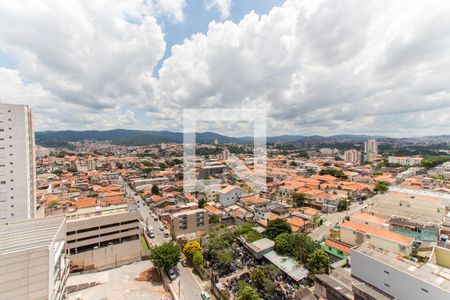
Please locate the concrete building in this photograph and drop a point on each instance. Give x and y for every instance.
(188, 222)
(17, 164)
(103, 237)
(354, 234)
(405, 160)
(225, 154)
(33, 263)
(371, 146)
(352, 156)
(42, 152)
(230, 195)
(399, 277)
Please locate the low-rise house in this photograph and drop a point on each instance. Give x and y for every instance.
(354, 234)
(230, 195)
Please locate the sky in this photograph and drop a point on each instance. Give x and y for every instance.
(325, 67)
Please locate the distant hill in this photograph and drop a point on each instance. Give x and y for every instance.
(145, 137)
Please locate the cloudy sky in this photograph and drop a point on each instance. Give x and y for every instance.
(319, 67)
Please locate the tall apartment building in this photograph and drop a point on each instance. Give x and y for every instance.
(17, 164)
(352, 156)
(33, 263)
(371, 146)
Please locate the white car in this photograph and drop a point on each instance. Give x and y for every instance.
(171, 274)
(205, 296)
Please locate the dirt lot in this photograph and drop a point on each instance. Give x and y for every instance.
(127, 282)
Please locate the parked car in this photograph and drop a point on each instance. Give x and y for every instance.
(166, 234)
(155, 218)
(184, 263)
(161, 228)
(205, 296)
(171, 273)
(152, 235)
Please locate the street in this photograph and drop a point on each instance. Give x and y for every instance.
(332, 220)
(186, 281)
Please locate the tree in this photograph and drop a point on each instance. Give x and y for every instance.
(166, 255)
(342, 205)
(282, 243)
(258, 277)
(57, 172)
(213, 219)
(225, 257)
(317, 219)
(298, 199)
(201, 203)
(155, 190)
(318, 262)
(246, 292)
(198, 259)
(191, 248)
(276, 227)
(381, 187)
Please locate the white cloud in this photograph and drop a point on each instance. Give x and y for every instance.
(170, 8)
(321, 66)
(224, 7)
(85, 52)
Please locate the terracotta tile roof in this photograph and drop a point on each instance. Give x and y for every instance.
(298, 222)
(86, 202)
(254, 200)
(213, 210)
(388, 235)
(339, 246)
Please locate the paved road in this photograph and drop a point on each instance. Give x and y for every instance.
(186, 281)
(332, 220)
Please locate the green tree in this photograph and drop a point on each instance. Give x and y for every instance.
(381, 187)
(72, 169)
(225, 257)
(213, 219)
(201, 203)
(166, 255)
(298, 199)
(271, 271)
(342, 205)
(155, 190)
(276, 227)
(282, 242)
(191, 248)
(258, 277)
(57, 172)
(198, 259)
(318, 262)
(246, 292)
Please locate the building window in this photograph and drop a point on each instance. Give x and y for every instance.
(387, 285)
(426, 291)
(387, 272)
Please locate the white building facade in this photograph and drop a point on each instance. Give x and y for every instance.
(17, 164)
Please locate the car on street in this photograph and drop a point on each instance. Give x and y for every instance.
(171, 273)
(155, 218)
(152, 235)
(184, 263)
(205, 296)
(161, 228)
(166, 234)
